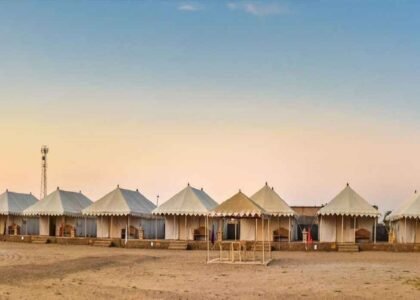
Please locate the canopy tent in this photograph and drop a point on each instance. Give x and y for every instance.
(281, 214)
(12, 206)
(241, 207)
(404, 221)
(185, 214)
(68, 206)
(348, 218)
(123, 209)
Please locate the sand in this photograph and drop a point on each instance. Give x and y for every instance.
(85, 272)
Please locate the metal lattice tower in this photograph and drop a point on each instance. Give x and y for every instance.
(44, 152)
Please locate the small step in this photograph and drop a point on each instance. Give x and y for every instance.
(259, 246)
(178, 245)
(102, 243)
(348, 248)
(39, 240)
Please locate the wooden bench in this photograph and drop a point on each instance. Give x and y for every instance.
(200, 233)
(13, 229)
(281, 234)
(67, 231)
(133, 233)
(363, 235)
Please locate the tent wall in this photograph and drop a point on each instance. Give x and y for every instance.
(409, 235)
(30, 226)
(328, 229)
(102, 227)
(90, 227)
(345, 229)
(175, 226)
(44, 225)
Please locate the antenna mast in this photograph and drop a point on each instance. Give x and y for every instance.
(44, 152)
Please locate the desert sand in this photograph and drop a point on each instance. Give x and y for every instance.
(85, 272)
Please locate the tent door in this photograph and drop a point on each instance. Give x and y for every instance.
(231, 231)
(52, 226)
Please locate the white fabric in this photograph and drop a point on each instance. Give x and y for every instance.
(189, 201)
(410, 209)
(121, 202)
(348, 203)
(15, 203)
(239, 205)
(59, 203)
(272, 203)
(409, 233)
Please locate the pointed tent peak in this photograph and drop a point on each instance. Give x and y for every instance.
(188, 201)
(12, 203)
(188, 184)
(58, 188)
(137, 190)
(349, 203)
(348, 184)
(118, 186)
(201, 189)
(7, 190)
(409, 209)
(239, 205)
(266, 183)
(415, 191)
(268, 199)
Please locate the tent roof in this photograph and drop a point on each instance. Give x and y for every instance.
(121, 202)
(189, 201)
(59, 203)
(410, 209)
(15, 203)
(239, 205)
(272, 203)
(349, 203)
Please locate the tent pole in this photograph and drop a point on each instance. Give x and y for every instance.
(405, 230)
(354, 227)
(256, 229)
(269, 235)
(207, 237)
(289, 229)
(85, 227)
(173, 230)
(374, 241)
(320, 230)
(7, 224)
(342, 228)
(186, 235)
(415, 233)
(262, 227)
(111, 222)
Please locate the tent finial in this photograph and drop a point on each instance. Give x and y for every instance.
(266, 183)
(118, 186)
(240, 191)
(415, 191)
(272, 188)
(348, 184)
(137, 190)
(202, 189)
(58, 188)
(188, 184)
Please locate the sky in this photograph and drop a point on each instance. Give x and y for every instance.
(225, 95)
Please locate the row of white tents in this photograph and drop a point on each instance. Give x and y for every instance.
(128, 214)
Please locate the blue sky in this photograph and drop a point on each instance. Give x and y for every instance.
(177, 68)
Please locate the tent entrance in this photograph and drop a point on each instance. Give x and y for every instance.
(52, 226)
(233, 231)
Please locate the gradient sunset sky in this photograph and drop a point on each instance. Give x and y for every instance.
(307, 95)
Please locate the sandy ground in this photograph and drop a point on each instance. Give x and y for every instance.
(84, 272)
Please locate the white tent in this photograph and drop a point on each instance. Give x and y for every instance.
(185, 214)
(348, 218)
(240, 215)
(404, 221)
(282, 216)
(121, 209)
(60, 214)
(12, 206)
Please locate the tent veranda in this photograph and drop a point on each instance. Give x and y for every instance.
(348, 218)
(121, 210)
(281, 215)
(60, 214)
(185, 214)
(405, 221)
(12, 221)
(241, 207)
